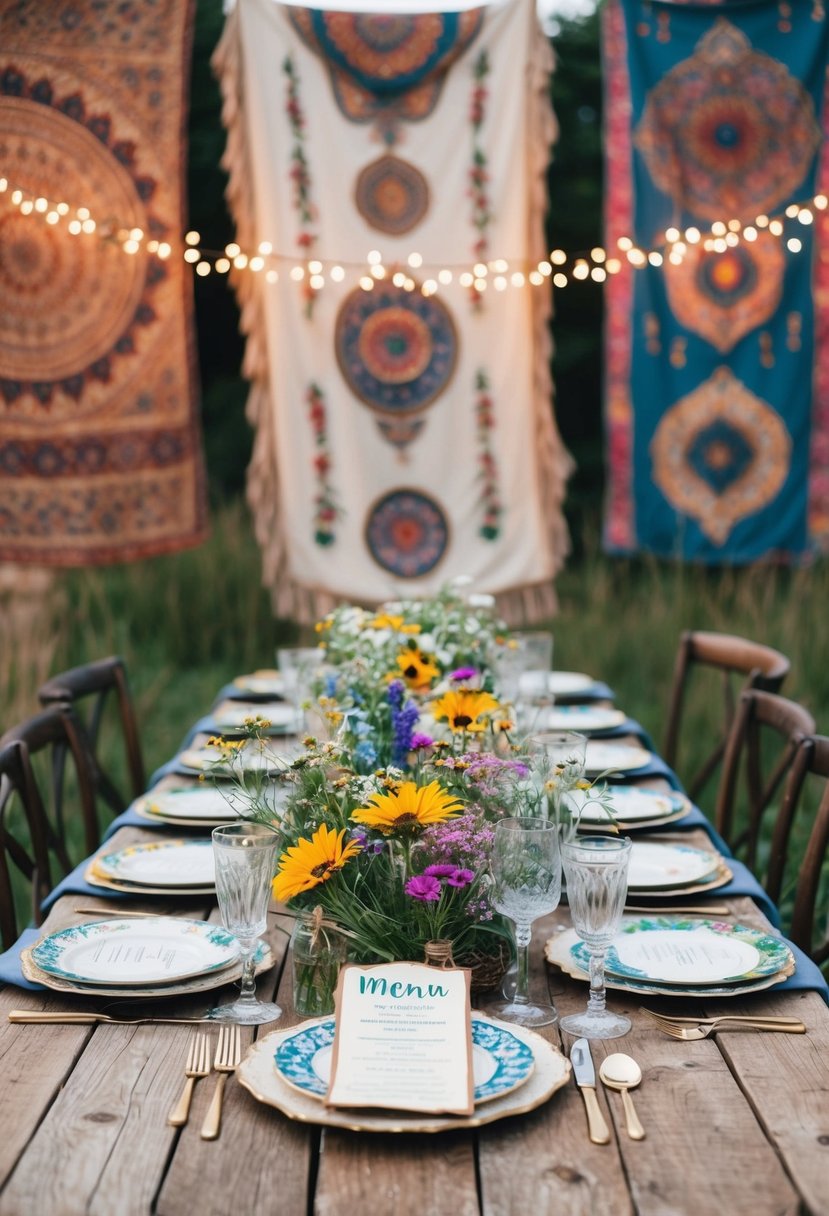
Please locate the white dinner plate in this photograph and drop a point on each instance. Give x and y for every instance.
(616, 757)
(566, 951)
(202, 803)
(654, 865)
(282, 718)
(569, 683)
(266, 682)
(583, 718)
(251, 758)
(155, 950)
(628, 804)
(174, 863)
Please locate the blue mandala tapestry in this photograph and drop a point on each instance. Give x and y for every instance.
(717, 338)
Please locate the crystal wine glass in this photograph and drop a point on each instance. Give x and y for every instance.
(245, 854)
(526, 874)
(557, 759)
(596, 869)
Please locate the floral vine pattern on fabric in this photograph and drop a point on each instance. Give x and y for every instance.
(481, 216)
(326, 510)
(300, 174)
(490, 528)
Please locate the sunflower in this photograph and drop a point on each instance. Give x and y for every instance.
(408, 808)
(417, 669)
(309, 862)
(462, 709)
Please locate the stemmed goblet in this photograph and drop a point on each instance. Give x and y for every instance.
(244, 854)
(526, 874)
(596, 869)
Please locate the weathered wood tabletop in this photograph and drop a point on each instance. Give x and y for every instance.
(736, 1124)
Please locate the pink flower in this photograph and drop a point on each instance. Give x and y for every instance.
(424, 888)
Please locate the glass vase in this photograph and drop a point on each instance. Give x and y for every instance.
(318, 952)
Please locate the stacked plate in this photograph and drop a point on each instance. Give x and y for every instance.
(670, 956)
(151, 956)
(253, 757)
(514, 1070)
(586, 719)
(201, 806)
(662, 868)
(164, 867)
(570, 683)
(631, 806)
(231, 717)
(267, 682)
(614, 758)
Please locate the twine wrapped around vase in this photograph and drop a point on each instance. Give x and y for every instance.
(439, 954)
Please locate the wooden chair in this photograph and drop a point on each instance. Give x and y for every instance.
(30, 837)
(67, 776)
(89, 689)
(812, 758)
(742, 664)
(765, 747)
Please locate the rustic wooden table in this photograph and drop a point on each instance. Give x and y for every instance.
(737, 1123)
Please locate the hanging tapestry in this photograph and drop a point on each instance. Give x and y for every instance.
(100, 450)
(717, 338)
(381, 170)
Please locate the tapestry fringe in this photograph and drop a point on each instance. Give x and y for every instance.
(532, 604)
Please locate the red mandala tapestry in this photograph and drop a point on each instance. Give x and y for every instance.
(100, 453)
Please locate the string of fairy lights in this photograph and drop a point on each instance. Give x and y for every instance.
(498, 274)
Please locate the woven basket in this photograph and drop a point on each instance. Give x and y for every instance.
(488, 970)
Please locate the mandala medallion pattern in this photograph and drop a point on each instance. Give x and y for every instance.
(391, 195)
(729, 131)
(407, 533)
(724, 296)
(720, 455)
(397, 351)
(387, 68)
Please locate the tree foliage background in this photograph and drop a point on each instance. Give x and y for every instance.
(573, 224)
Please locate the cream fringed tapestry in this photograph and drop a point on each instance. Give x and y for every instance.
(404, 433)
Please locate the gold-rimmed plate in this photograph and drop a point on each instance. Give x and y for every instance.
(258, 1074)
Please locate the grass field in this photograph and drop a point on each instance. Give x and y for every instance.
(185, 624)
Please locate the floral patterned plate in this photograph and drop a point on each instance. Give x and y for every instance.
(569, 683)
(251, 758)
(264, 683)
(173, 863)
(155, 950)
(724, 960)
(199, 806)
(283, 719)
(629, 805)
(614, 757)
(258, 1075)
(500, 1061)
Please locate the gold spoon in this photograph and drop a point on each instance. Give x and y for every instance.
(621, 1072)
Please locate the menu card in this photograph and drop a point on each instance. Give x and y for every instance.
(403, 1039)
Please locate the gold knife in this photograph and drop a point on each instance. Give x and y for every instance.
(35, 1017)
(585, 1076)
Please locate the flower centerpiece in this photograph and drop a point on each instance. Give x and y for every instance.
(387, 827)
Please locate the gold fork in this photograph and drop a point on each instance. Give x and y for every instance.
(690, 1033)
(197, 1066)
(228, 1055)
(753, 1020)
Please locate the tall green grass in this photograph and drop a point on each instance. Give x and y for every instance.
(187, 623)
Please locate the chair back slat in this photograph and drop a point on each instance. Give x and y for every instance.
(765, 745)
(813, 759)
(743, 664)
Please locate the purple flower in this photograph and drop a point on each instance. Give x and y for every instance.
(460, 878)
(421, 742)
(403, 720)
(395, 692)
(463, 673)
(423, 887)
(439, 871)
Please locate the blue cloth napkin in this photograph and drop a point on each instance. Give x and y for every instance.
(743, 883)
(807, 976)
(10, 970)
(75, 884)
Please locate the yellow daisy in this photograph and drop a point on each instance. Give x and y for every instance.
(309, 862)
(408, 808)
(417, 669)
(462, 709)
